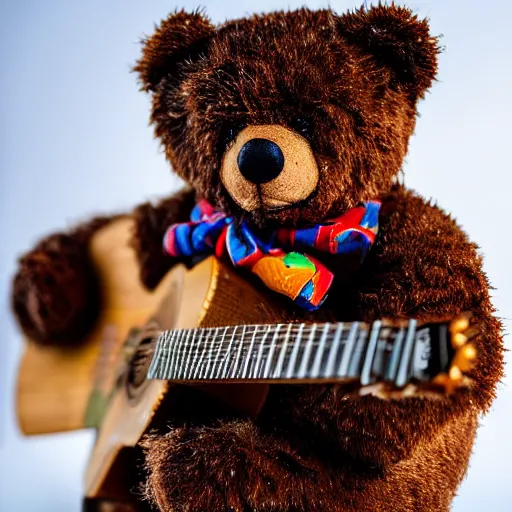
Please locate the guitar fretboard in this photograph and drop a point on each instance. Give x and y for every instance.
(304, 352)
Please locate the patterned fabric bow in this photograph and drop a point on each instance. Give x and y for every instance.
(275, 258)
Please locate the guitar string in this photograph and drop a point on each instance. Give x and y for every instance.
(282, 352)
(255, 373)
(295, 327)
(383, 366)
(386, 349)
(213, 343)
(292, 374)
(385, 345)
(169, 339)
(315, 371)
(210, 335)
(217, 346)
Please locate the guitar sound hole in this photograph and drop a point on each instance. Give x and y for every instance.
(139, 366)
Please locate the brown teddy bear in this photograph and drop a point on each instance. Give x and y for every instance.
(286, 120)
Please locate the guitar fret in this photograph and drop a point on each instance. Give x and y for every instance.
(189, 369)
(188, 354)
(249, 352)
(282, 354)
(401, 378)
(199, 368)
(207, 347)
(359, 350)
(295, 353)
(180, 356)
(219, 357)
(170, 352)
(307, 352)
(165, 350)
(215, 356)
(320, 350)
(347, 350)
(187, 351)
(266, 371)
(331, 361)
(256, 369)
(238, 354)
(224, 373)
(382, 352)
(213, 360)
(384, 347)
(366, 376)
(205, 358)
(176, 354)
(394, 358)
(153, 372)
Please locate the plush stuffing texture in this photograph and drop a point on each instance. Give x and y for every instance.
(349, 84)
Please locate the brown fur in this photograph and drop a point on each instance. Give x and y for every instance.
(357, 112)
(55, 292)
(350, 85)
(151, 224)
(245, 468)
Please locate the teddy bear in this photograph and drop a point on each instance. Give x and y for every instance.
(284, 121)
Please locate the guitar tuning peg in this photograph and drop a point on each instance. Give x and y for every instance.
(458, 340)
(450, 381)
(460, 324)
(455, 374)
(465, 357)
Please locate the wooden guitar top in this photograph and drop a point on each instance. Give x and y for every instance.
(55, 384)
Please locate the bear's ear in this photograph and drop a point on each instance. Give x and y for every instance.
(396, 39)
(181, 38)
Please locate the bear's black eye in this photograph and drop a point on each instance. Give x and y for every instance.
(303, 126)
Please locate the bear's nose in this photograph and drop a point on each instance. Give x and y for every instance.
(260, 160)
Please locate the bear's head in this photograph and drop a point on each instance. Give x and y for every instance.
(290, 117)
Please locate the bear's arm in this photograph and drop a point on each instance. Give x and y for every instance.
(151, 223)
(423, 266)
(56, 293)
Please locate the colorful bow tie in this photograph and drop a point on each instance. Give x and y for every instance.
(274, 257)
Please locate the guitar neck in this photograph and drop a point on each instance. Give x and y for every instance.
(340, 351)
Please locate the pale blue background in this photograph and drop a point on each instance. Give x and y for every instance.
(74, 141)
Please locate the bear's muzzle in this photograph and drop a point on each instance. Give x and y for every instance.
(269, 166)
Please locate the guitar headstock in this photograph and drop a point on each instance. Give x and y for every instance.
(451, 355)
(462, 334)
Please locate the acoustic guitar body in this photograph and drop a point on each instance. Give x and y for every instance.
(94, 386)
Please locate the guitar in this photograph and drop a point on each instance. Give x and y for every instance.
(208, 328)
